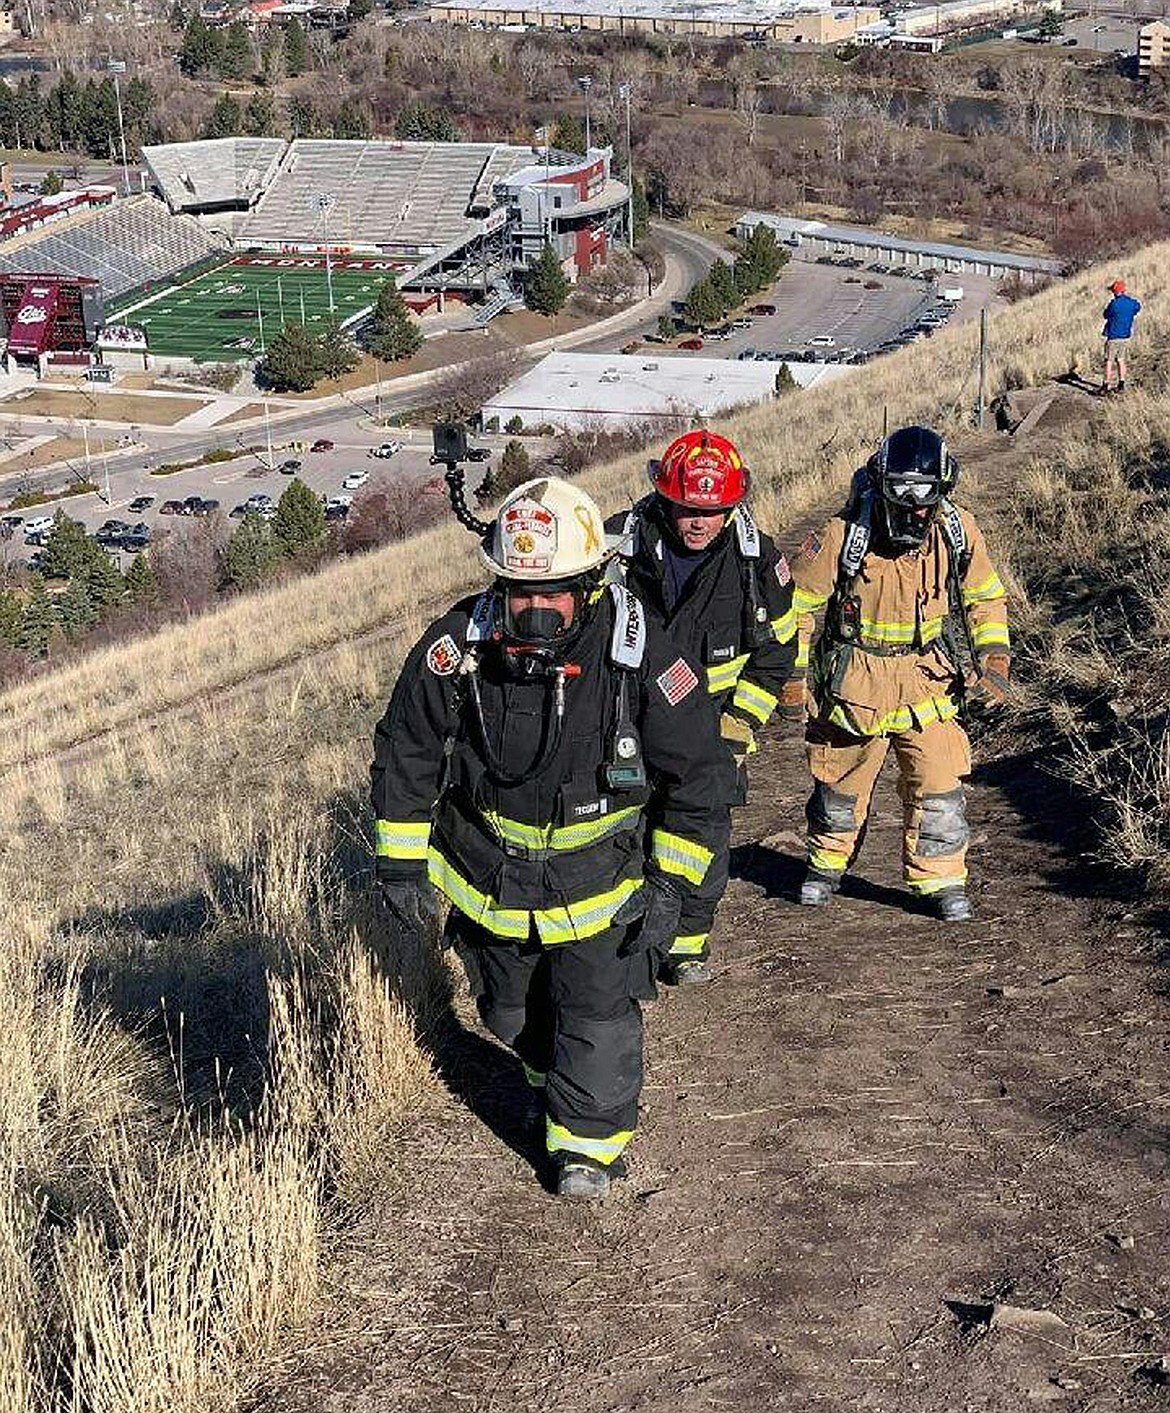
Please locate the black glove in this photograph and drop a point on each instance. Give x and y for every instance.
(659, 907)
(410, 903)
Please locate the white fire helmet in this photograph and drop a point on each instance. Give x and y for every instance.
(546, 529)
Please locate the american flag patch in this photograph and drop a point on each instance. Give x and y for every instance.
(783, 573)
(811, 546)
(677, 681)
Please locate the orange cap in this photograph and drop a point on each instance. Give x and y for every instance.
(1117, 287)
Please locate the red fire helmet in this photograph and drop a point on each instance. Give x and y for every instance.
(702, 470)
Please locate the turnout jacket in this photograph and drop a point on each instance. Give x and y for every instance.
(734, 615)
(900, 672)
(561, 850)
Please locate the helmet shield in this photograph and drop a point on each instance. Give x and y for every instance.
(546, 531)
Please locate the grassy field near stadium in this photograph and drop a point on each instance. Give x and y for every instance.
(217, 316)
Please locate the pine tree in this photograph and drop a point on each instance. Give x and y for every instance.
(548, 286)
(569, 134)
(76, 612)
(299, 522)
(225, 119)
(291, 363)
(237, 61)
(351, 123)
(785, 382)
(335, 354)
(11, 614)
(703, 306)
(103, 583)
(302, 117)
(641, 212)
(667, 328)
(722, 283)
(142, 586)
(260, 115)
(296, 49)
(251, 553)
(419, 122)
(393, 333)
(514, 468)
(68, 550)
(199, 51)
(39, 620)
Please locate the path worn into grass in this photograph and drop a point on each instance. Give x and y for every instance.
(866, 1117)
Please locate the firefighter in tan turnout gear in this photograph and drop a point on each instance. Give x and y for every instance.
(550, 762)
(915, 621)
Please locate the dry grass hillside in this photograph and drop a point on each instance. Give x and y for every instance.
(209, 1049)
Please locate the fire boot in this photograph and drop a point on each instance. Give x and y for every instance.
(581, 1178)
(953, 905)
(818, 888)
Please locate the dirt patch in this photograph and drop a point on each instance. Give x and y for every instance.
(244, 414)
(55, 449)
(106, 407)
(866, 1133)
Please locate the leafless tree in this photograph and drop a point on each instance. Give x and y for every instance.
(463, 389)
(746, 96)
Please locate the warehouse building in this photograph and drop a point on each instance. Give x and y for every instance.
(785, 21)
(576, 392)
(816, 238)
(955, 16)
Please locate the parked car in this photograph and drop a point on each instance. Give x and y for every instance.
(322, 444)
(746, 355)
(653, 338)
(171, 507)
(38, 525)
(691, 345)
(258, 501)
(238, 512)
(111, 532)
(478, 453)
(191, 506)
(36, 561)
(290, 467)
(336, 512)
(762, 309)
(141, 503)
(137, 538)
(386, 450)
(9, 524)
(206, 507)
(743, 322)
(355, 480)
(723, 332)
(822, 341)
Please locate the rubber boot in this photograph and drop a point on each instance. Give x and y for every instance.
(580, 1178)
(817, 889)
(953, 905)
(684, 971)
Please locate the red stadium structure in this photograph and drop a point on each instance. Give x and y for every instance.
(47, 314)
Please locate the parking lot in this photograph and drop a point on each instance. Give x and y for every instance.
(839, 310)
(232, 483)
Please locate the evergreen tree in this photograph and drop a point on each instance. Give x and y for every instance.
(299, 522)
(237, 60)
(548, 285)
(251, 553)
(225, 119)
(260, 118)
(68, 551)
(760, 262)
(201, 48)
(11, 615)
(351, 123)
(666, 326)
(515, 466)
(641, 212)
(722, 283)
(39, 620)
(103, 582)
(296, 49)
(568, 134)
(75, 610)
(302, 117)
(52, 182)
(142, 586)
(419, 122)
(28, 111)
(336, 354)
(291, 363)
(99, 118)
(703, 307)
(359, 10)
(138, 112)
(785, 382)
(393, 333)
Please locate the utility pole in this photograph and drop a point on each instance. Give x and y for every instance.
(325, 205)
(982, 368)
(585, 83)
(268, 433)
(624, 92)
(116, 67)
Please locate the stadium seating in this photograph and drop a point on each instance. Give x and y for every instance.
(220, 172)
(125, 246)
(409, 195)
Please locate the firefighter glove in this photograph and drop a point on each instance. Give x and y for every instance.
(658, 906)
(409, 904)
(992, 688)
(792, 703)
(738, 737)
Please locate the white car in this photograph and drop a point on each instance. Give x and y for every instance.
(822, 341)
(347, 501)
(355, 480)
(386, 450)
(38, 525)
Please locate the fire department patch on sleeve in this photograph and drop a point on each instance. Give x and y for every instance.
(811, 545)
(783, 573)
(443, 656)
(677, 681)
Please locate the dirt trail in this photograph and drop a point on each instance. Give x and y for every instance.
(865, 1117)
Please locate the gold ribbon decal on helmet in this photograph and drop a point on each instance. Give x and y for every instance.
(585, 520)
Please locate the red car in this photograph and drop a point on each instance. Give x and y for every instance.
(322, 444)
(691, 345)
(762, 309)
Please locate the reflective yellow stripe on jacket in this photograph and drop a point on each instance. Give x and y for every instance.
(674, 854)
(991, 588)
(722, 676)
(398, 839)
(562, 837)
(757, 701)
(584, 918)
(903, 718)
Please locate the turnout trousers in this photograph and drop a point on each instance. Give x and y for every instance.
(692, 941)
(572, 1015)
(932, 763)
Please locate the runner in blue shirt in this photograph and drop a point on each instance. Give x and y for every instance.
(1120, 313)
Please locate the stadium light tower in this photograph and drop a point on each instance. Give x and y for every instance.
(116, 67)
(585, 83)
(325, 205)
(624, 93)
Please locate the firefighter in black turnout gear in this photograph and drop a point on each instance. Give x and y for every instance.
(550, 762)
(721, 589)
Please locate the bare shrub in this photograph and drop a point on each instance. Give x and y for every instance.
(387, 510)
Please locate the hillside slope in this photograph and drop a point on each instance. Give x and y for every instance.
(210, 1075)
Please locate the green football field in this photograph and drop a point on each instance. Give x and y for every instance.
(217, 316)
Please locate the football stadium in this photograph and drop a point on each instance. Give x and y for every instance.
(241, 235)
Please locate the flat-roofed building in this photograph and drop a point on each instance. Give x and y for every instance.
(1153, 46)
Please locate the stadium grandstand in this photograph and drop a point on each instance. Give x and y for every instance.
(125, 246)
(450, 215)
